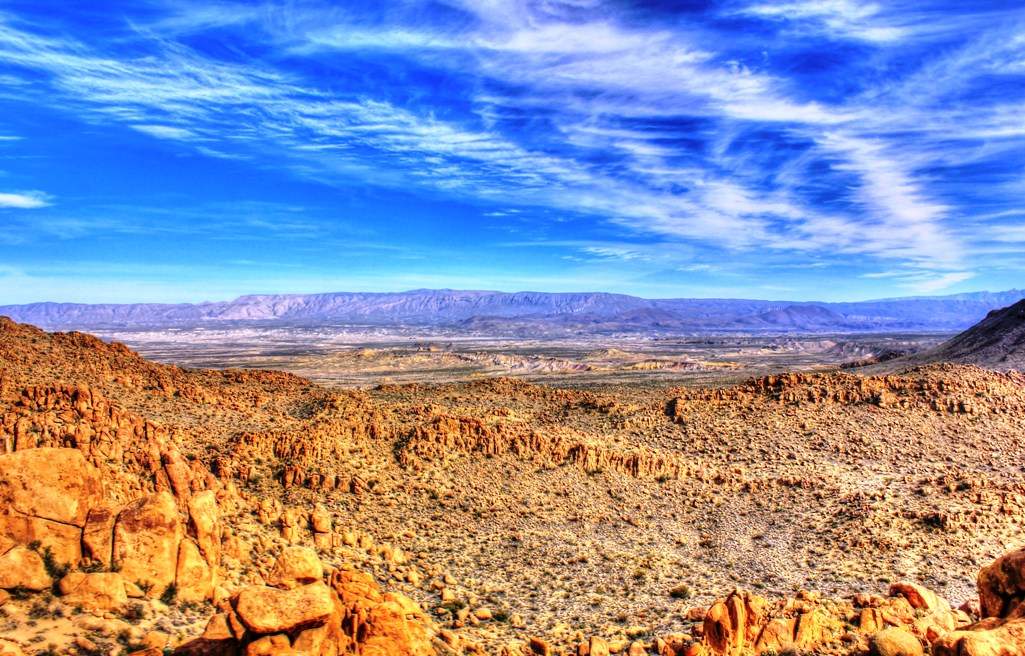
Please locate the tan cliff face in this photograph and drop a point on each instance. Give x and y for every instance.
(147, 507)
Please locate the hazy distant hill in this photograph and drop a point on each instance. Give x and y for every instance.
(798, 317)
(524, 312)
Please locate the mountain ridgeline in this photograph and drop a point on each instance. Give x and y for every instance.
(997, 342)
(530, 312)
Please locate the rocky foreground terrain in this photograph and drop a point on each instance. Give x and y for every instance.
(150, 509)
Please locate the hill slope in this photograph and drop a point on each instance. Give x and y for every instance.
(997, 342)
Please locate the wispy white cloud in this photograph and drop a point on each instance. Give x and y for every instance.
(903, 214)
(842, 18)
(614, 252)
(166, 132)
(929, 284)
(651, 127)
(24, 200)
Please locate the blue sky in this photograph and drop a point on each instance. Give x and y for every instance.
(798, 149)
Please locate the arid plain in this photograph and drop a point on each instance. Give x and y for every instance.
(363, 356)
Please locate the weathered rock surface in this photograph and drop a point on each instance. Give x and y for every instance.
(98, 591)
(194, 578)
(294, 567)
(272, 610)
(146, 538)
(895, 641)
(45, 496)
(1001, 632)
(22, 567)
(1002, 586)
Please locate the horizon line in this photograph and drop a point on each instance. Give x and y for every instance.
(512, 293)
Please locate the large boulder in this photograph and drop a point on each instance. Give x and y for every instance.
(22, 567)
(267, 610)
(97, 591)
(45, 497)
(204, 522)
(726, 626)
(296, 566)
(52, 484)
(1001, 632)
(1002, 586)
(349, 616)
(895, 641)
(920, 597)
(320, 519)
(194, 577)
(376, 624)
(146, 538)
(392, 628)
(990, 637)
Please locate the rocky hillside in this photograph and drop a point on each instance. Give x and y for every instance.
(150, 509)
(997, 342)
(530, 312)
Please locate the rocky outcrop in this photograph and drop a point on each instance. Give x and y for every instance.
(446, 435)
(303, 614)
(45, 497)
(938, 388)
(745, 624)
(749, 624)
(1001, 631)
(80, 417)
(379, 624)
(146, 538)
(54, 517)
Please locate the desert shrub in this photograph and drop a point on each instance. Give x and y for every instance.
(55, 569)
(170, 594)
(681, 591)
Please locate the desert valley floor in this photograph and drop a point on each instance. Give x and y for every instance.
(521, 517)
(367, 356)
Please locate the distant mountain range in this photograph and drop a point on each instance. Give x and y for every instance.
(530, 313)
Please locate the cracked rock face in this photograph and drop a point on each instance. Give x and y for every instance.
(146, 539)
(45, 496)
